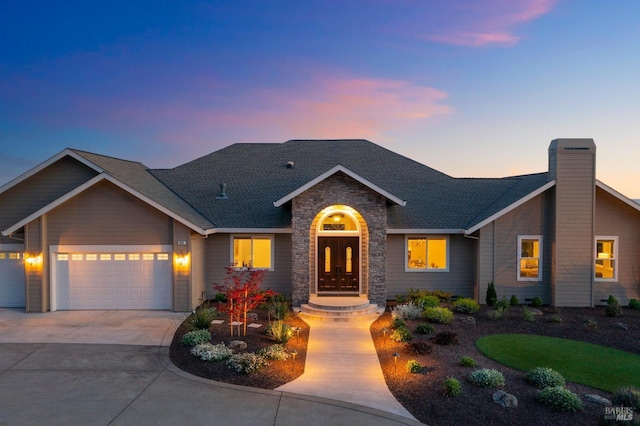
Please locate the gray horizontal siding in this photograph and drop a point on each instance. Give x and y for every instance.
(460, 280)
(218, 258)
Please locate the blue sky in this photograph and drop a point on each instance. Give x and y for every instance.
(469, 87)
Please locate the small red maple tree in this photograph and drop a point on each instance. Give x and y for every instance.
(242, 290)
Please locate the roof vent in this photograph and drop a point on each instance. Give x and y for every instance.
(222, 195)
(289, 164)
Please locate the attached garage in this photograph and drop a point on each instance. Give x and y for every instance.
(12, 280)
(111, 277)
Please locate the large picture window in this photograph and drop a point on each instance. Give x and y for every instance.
(427, 254)
(253, 252)
(606, 257)
(529, 258)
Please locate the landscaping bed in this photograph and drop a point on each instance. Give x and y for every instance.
(277, 373)
(422, 394)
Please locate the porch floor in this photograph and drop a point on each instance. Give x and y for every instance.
(342, 364)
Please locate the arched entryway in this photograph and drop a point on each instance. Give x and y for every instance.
(337, 232)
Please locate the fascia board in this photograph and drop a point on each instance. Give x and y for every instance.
(618, 195)
(332, 171)
(512, 206)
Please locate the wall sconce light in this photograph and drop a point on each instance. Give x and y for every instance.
(32, 259)
(182, 259)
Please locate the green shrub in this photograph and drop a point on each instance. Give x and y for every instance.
(400, 298)
(495, 314)
(555, 318)
(201, 318)
(634, 304)
(613, 310)
(559, 398)
(424, 328)
(527, 314)
(627, 396)
(401, 334)
(440, 315)
(544, 377)
(279, 309)
(514, 300)
(536, 302)
(445, 338)
(406, 311)
(220, 298)
(428, 301)
(196, 337)
(467, 361)
(275, 352)
(420, 293)
(398, 322)
(452, 387)
(419, 348)
(413, 366)
(612, 300)
(246, 362)
(502, 305)
(590, 324)
(491, 297)
(209, 352)
(279, 331)
(466, 306)
(487, 378)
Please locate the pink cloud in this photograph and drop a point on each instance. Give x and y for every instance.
(483, 22)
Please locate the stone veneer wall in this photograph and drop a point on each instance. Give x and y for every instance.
(339, 189)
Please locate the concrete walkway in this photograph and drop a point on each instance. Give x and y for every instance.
(342, 364)
(52, 373)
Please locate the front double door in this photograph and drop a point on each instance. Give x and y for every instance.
(338, 264)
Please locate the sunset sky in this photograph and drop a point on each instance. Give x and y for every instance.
(473, 88)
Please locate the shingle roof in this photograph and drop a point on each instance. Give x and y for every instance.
(136, 176)
(256, 175)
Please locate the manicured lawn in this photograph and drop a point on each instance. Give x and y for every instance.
(579, 362)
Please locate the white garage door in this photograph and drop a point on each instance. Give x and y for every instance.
(112, 280)
(11, 277)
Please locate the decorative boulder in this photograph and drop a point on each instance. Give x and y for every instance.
(467, 319)
(536, 312)
(505, 399)
(237, 345)
(597, 399)
(621, 326)
(252, 316)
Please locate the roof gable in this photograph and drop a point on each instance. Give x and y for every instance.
(331, 172)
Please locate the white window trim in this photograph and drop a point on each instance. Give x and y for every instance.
(540, 257)
(252, 236)
(426, 237)
(616, 257)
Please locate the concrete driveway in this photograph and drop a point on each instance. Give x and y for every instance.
(52, 371)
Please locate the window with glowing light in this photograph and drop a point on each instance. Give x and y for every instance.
(426, 253)
(253, 252)
(529, 258)
(338, 222)
(605, 259)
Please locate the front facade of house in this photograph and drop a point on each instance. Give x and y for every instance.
(328, 218)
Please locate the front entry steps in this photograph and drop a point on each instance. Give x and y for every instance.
(340, 309)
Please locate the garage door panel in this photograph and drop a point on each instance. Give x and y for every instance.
(114, 281)
(12, 280)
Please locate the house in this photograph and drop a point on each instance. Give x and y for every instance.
(322, 217)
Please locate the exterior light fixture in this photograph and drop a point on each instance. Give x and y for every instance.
(182, 259)
(297, 331)
(293, 354)
(32, 259)
(384, 336)
(395, 362)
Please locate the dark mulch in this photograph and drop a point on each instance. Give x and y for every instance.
(422, 394)
(277, 373)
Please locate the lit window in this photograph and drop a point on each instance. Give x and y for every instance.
(14, 256)
(338, 222)
(92, 257)
(252, 252)
(427, 253)
(3, 255)
(105, 257)
(76, 256)
(529, 258)
(134, 256)
(119, 256)
(63, 256)
(147, 256)
(163, 256)
(605, 259)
